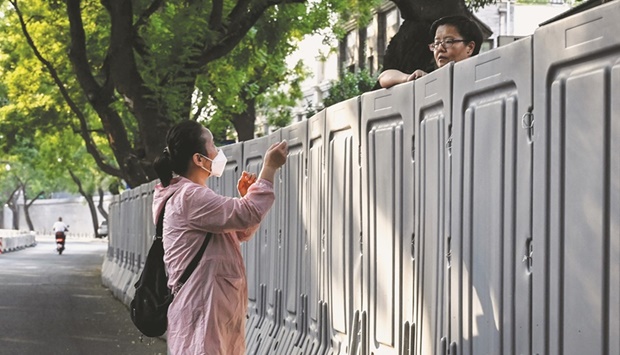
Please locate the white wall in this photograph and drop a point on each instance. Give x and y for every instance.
(43, 213)
(510, 19)
(324, 67)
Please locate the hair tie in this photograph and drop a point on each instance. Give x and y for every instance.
(166, 150)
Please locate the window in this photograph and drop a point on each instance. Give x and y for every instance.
(392, 23)
(381, 38)
(349, 54)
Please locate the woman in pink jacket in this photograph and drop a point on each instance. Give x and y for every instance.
(208, 313)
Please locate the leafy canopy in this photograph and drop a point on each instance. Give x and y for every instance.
(120, 73)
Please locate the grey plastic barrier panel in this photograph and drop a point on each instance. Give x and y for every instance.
(120, 247)
(387, 126)
(491, 202)
(275, 295)
(214, 182)
(115, 236)
(263, 278)
(227, 183)
(576, 248)
(110, 261)
(257, 251)
(132, 214)
(313, 256)
(135, 228)
(136, 212)
(113, 224)
(342, 221)
(293, 176)
(127, 216)
(433, 108)
(147, 226)
(118, 239)
(149, 223)
(126, 207)
(11, 240)
(285, 329)
(141, 197)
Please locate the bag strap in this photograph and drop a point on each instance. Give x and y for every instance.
(159, 228)
(192, 265)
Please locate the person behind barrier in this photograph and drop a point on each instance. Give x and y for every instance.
(59, 228)
(208, 313)
(456, 38)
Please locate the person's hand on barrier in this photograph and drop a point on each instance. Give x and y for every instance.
(245, 181)
(275, 157)
(416, 75)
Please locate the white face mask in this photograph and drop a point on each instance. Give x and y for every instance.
(217, 164)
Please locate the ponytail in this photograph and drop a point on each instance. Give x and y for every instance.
(163, 167)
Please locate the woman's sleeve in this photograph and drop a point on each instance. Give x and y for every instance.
(245, 235)
(214, 213)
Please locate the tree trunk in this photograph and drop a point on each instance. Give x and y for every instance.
(102, 210)
(152, 120)
(244, 122)
(12, 204)
(120, 72)
(89, 200)
(27, 207)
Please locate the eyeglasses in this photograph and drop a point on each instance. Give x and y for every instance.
(446, 43)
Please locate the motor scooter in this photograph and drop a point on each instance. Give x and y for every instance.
(60, 242)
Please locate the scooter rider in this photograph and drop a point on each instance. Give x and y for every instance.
(59, 229)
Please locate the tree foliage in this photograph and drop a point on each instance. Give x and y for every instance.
(125, 71)
(349, 85)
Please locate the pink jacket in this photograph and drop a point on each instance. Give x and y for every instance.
(208, 313)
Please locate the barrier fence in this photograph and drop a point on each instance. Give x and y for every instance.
(11, 240)
(473, 211)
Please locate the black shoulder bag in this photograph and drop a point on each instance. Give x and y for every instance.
(149, 307)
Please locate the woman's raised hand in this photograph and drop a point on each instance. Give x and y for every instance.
(275, 157)
(276, 154)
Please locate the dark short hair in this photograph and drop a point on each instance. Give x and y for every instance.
(467, 28)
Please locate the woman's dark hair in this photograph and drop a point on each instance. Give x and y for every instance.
(466, 28)
(182, 142)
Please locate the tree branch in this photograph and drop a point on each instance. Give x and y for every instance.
(90, 144)
(155, 5)
(9, 201)
(240, 20)
(240, 8)
(215, 20)
(138, 43)
(77, 181)
(102, 210)
(89, 200)
(35, 198)
(79, 60)
(100, 130)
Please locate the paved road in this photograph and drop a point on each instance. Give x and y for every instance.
(55, 304)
